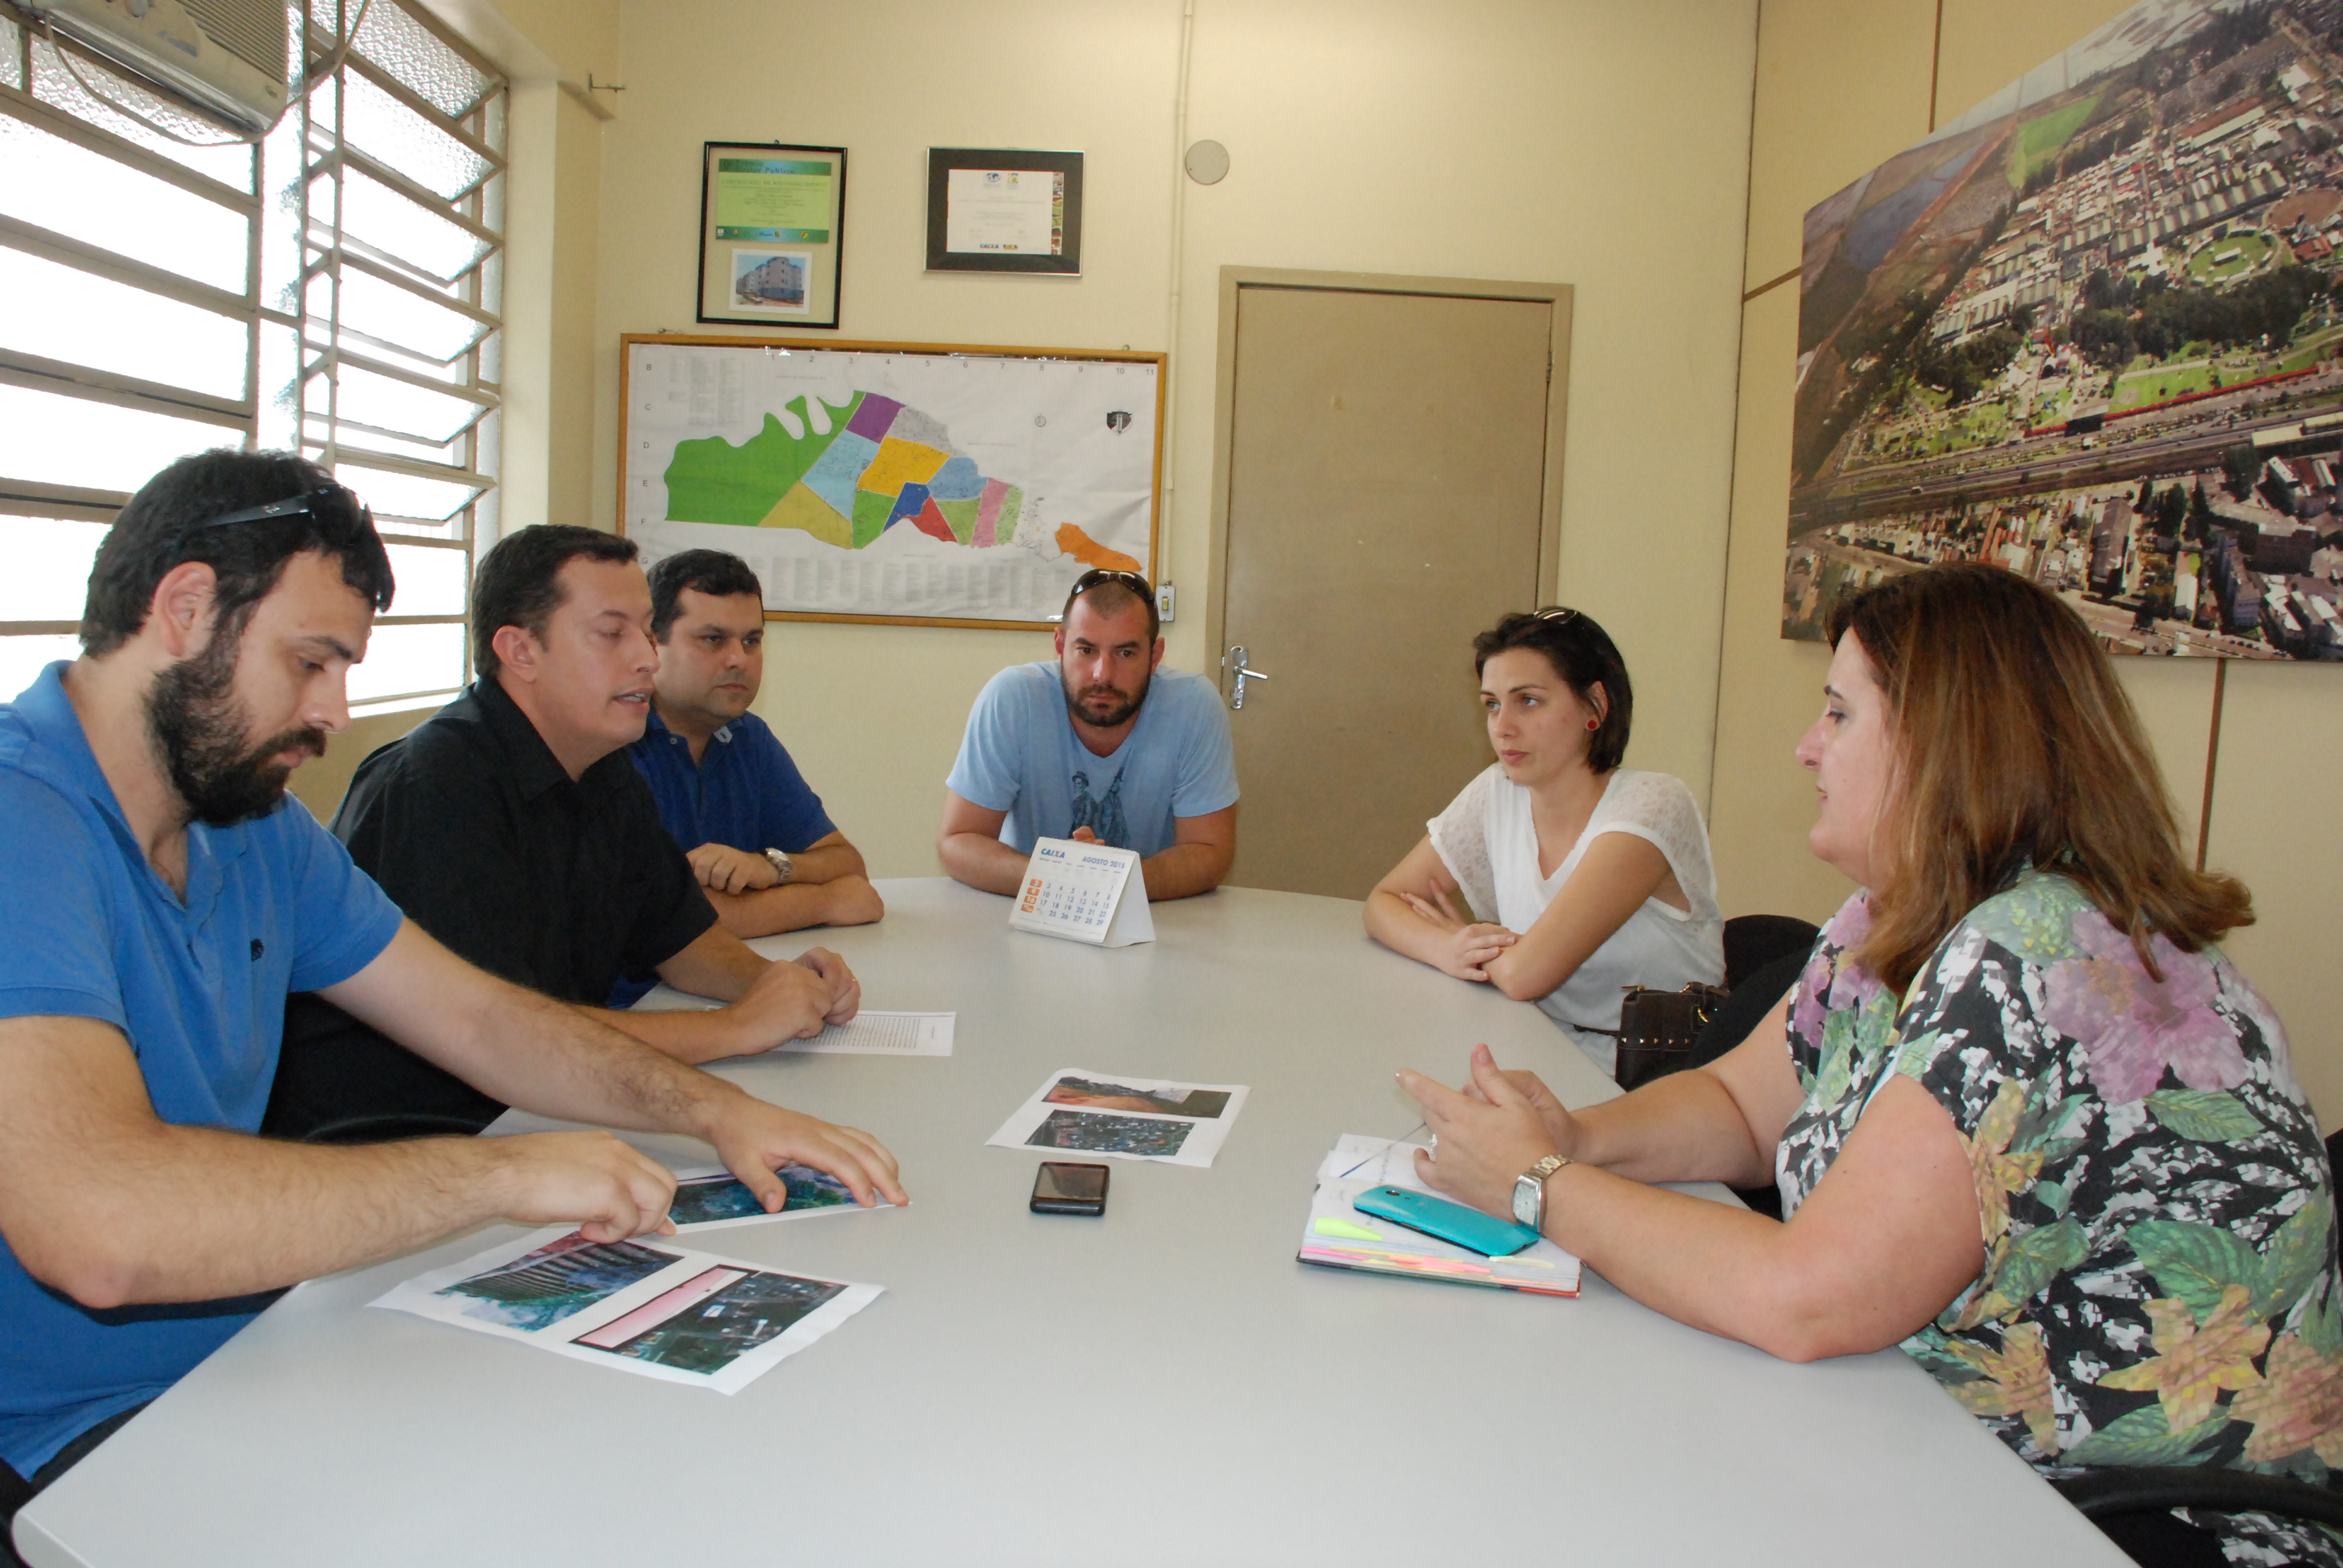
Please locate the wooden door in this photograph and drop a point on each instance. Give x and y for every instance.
(1388, 495)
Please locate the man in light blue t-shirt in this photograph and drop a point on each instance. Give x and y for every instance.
(1096, 746)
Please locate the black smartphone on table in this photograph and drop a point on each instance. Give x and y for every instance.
(1060, 1188)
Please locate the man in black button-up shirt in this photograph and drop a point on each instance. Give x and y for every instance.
(512, 827)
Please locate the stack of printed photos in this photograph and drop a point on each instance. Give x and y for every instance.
(648, 1307)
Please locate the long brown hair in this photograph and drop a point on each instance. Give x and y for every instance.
(2015, 745)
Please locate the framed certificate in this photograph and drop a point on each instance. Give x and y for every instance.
(1004, 211)
(771, 231)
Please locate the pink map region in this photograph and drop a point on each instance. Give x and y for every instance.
(988, 513)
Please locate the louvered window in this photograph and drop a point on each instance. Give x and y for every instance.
(166, 288)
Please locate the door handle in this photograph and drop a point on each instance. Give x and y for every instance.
(1235, 660)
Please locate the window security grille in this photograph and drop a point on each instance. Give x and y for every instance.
(166, 288)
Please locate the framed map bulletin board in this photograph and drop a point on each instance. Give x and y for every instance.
(919, 484)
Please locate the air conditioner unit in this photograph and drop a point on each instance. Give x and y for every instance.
(228, 56)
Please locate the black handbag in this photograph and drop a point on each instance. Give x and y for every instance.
(1656, 1028)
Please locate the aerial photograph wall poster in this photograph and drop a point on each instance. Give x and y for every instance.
(2090, 331)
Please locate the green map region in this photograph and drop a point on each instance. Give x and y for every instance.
(856, 472)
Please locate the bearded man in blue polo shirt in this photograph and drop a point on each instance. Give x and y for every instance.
(162, 898)
(766, 853)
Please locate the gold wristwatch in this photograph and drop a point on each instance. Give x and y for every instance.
(1529, 1191)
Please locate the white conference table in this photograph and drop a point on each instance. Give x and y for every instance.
(1163, 1385)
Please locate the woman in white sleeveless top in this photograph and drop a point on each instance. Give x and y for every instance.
(1595, 877)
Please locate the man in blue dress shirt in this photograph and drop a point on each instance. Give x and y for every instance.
(1099, 747)
(162, 897)
(768, 856)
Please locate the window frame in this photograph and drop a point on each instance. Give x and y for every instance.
(313, 153)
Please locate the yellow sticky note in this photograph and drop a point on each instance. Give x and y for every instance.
(1330, 1226)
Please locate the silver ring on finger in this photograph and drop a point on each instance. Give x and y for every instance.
(1432, 1147)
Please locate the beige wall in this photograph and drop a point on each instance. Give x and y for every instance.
(320, 784)
(1843, 84)
(577, 235)
(564, 41)
(550, 50)
(1492, 138)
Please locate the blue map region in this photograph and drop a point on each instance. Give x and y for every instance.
(833, 474)
(957, 480)
(908, 505)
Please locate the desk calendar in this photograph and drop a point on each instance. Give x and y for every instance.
(1085, 893)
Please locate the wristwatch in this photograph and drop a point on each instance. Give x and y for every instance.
(781, 862)
(1529, 1191)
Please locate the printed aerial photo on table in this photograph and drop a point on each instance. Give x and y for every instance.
(557, 1280)
(1110, 1134)
(2092, 331)
(705, 1324)
(706, 1200)
(1123, 1097)
(922, 485)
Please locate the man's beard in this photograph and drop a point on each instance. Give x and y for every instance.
(1121, 713)
(199, 725)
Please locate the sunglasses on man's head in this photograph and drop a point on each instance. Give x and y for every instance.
(336, 509)
(1097, 574)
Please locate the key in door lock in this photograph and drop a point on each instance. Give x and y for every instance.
(1235, 660)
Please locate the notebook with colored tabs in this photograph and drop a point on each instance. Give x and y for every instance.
(1339, 1236)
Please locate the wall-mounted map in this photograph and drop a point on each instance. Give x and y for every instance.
(2090, 331)
(879, 481)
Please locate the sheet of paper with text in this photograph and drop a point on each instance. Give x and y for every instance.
(883, 1034)
(1084, 892)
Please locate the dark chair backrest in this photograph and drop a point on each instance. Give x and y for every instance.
(1763, 957)
(2334, 1159)
(1753, 941)
(1744, 1006)
(389, 1128)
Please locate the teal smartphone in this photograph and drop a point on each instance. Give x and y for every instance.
(1489, 1236)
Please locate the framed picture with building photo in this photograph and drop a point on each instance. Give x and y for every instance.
(772, 232)
(2092, 330)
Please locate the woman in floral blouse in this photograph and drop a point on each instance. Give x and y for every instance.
(2027, 1121)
